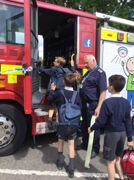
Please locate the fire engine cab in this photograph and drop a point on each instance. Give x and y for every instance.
(33, 31)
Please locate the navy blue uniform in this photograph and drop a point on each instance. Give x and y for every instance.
(115, 119)
(94, 82)
(56, 75)
(115, 116)
(64, 131)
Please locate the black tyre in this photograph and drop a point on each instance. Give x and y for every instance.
(12, 129)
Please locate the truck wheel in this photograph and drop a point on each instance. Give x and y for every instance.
(12, 129)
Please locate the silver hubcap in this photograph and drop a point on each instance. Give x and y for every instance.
(7, 130)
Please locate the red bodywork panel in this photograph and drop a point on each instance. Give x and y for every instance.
(65, 10)
(86, 38)
(28, 78)
(11, 54)
(11, 95)
(14, 55)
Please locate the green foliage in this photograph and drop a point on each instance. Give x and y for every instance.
(120, 8)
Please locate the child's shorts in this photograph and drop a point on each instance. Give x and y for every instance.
(67, 132)
(113, 145)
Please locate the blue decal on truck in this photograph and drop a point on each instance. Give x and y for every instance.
(87, 42)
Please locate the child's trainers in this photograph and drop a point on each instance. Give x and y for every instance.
(59, 164)
(70, 172)
(70, 168)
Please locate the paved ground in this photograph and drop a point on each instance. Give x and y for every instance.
(39, 163)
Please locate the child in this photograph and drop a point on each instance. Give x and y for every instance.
(56, 74)
(115, 118)
(65, 131)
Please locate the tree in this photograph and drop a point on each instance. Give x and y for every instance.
(120, 8)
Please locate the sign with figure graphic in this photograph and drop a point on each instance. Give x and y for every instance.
(118, 58)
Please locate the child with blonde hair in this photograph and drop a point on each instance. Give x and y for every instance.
(56, 74)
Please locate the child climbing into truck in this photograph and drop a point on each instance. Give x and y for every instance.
(56, 74)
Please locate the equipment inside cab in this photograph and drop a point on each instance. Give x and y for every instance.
(56, 37)
(58, 31)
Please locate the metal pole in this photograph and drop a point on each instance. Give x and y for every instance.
(114, 19)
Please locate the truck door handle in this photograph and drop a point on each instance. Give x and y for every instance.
(26, 69)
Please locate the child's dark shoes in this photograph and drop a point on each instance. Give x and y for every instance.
(59, 165)
(70, 172)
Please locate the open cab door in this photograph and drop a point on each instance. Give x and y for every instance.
(30, 50)
(86, 38)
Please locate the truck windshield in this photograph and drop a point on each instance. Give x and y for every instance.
(11, 24)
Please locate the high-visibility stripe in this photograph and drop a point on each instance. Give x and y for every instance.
(11, 69)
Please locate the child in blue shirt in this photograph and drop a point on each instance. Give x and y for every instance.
(115, 119)
(66, 132)
(56, 74)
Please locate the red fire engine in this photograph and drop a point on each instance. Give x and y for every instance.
(64, 31)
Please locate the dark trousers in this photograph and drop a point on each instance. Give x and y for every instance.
(87, 112)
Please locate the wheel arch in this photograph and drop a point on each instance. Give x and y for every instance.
(13, 103)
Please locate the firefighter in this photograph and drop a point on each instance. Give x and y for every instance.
(92, 91)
